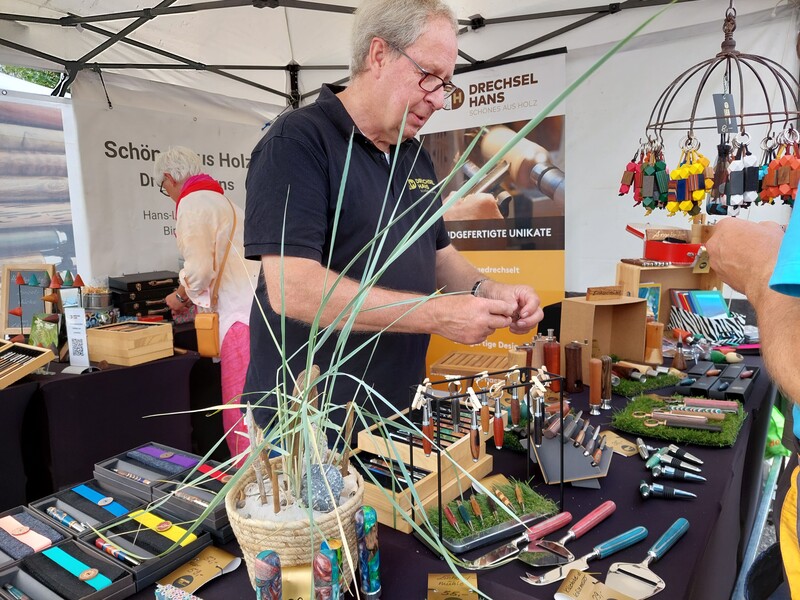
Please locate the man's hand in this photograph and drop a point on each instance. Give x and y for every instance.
(474, 206)
(528, 311)
(465, 319)
(743, 253)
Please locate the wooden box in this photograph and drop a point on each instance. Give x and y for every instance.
(426, 489)
(129, 343)
(18, 360)
(611, 327)
(467, 363)
(684, 278)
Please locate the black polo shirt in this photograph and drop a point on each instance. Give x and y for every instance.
(293, 187)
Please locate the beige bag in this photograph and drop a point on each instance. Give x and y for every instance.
(206, 324)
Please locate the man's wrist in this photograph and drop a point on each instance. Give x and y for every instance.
(476, 288)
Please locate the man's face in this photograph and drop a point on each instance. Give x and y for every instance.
(435, 51)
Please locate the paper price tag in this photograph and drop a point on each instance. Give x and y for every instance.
(619, 444)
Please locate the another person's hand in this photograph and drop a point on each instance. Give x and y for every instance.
(474, 206)
(743, 253)
(175, 304)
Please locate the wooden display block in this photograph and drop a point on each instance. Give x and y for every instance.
(18, 360)
(467, 363)
(631, 276)
(130, 343)
(371, 440)
(611, 327)
(453, 480)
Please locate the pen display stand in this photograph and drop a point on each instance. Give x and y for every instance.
(441, 405)
(577, 467)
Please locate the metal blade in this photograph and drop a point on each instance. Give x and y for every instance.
(544, 553)
(634, 579)
(558, 573)
(496, 557)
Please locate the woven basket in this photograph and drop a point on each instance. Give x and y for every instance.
(292, 540)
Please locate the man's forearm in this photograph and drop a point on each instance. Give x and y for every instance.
(778, 318)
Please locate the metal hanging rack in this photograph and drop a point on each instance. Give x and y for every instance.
(738, 68)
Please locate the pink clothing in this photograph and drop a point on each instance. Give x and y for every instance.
(234, 358)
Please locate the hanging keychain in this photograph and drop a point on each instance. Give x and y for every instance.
(717, 196)
(783, 172)
(630, 175)
(655, 181)
(742, 176)
(690, 180)
(768, 148)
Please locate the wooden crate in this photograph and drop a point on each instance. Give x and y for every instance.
(466, 363)
(426, 489)
(684, 278)
(30, 359)
(610, 326)
(130, 343)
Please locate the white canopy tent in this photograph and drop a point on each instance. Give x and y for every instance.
(252, 49)
(258, 55)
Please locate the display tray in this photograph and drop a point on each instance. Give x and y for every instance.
(18, 360)
(728, 385)
(130, 343)
(107, 503)
(142, 478)
(500, 524)
(6, 558)
(122, 587)
(153, 567)
(192, 500)
(625, 421)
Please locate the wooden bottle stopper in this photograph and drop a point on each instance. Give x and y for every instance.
(679, 361)
(552, 360)
(573, 367)
(654, 334)
(595, 385)
(605, 382)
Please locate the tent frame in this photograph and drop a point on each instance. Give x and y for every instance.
(143, 16)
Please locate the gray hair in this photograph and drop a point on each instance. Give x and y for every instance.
(180, 162)
(399, 22)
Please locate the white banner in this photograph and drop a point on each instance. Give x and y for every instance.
(128, 225)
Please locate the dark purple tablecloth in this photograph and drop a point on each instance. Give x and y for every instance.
(702, 566)
(73, 421)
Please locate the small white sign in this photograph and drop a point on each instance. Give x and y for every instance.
(76, 336)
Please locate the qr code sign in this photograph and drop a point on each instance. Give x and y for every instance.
(78, 348)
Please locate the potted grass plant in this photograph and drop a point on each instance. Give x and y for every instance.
(289, 493)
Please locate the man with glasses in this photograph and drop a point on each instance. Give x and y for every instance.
(309, 220)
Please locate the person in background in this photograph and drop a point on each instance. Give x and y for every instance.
(204, 226)
(763, 263)
(402, 63)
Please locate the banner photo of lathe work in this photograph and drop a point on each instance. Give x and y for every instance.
(517, 234)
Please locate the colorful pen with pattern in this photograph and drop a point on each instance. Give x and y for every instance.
(133, 476)
(16, 592)
(115, 551)
(66, 519)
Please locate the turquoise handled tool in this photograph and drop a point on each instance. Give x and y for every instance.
(607, 548)
(636, 579)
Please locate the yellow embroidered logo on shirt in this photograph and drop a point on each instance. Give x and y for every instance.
(420, 183)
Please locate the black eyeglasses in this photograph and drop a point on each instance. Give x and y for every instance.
(161, 188)
(430, 82)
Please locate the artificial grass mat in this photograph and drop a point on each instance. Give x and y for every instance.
(625, 421)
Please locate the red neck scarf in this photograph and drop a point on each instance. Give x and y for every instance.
(197, 183)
